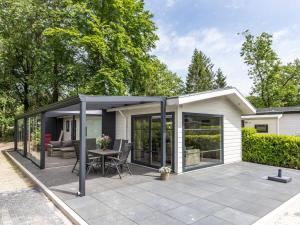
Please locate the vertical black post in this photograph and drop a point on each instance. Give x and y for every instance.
(42, 142)
(25, 135)
(73, 134)
(163, 133)
(82, 148)
(16, 134)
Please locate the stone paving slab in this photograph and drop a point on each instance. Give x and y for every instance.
(20, 201)
(236, 193)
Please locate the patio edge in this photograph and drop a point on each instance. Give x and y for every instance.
(64, 208)
(279, 210)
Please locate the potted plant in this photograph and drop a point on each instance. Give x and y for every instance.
(165, 173)
(104, 141)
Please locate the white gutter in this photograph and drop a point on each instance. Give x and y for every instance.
(122, 114)
(278, 116)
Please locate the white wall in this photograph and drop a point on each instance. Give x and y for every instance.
(232, 124)
(289, 124)
(271, 122)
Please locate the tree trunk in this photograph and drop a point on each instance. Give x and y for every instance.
(55, 94)
(26, 97)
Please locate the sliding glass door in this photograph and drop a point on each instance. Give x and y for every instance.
(202, 139)
(146, 136)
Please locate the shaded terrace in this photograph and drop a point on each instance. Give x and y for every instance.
(81, 104)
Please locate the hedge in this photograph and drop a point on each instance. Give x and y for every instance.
(271, 149)
(203, 141)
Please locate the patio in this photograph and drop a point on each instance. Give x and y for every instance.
(228, 194)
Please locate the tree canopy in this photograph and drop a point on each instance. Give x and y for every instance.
(50, 50)
(274, 84)
(201, 76)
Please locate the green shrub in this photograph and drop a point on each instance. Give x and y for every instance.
(271, 149)
(203, 141)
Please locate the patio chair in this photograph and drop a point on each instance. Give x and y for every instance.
(91, 161)
(120, 161)
(117, 144)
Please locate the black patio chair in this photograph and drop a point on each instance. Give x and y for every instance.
(120, 161)
(91, 161)
(117, 145)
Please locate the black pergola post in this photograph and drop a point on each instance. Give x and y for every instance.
(73, 130)
(163, 133)
(16, 134)
(25, 135)
(82, 149)
(43, 132)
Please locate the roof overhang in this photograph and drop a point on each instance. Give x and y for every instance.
(257, 117)
(92, 103)
(232, 94)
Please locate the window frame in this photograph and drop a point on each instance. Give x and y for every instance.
(184, 169)
(262, 132)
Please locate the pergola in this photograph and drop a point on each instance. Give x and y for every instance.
(82, 103)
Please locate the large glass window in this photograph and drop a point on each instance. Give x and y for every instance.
(202, 140)
(20, 135)
(147, 139)
(34, 138)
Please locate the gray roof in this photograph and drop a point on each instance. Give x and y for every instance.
(94, 103)
(274, 110)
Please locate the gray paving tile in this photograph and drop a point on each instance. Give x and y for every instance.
(160, 219)
(252, 208)
(162, 204)
(205, 206)
(80, 202)
(221, 198)
(93, 210)
(198, 192)
(186, 214)
(111, 219)
(211, 220)
(137, 213)
(183, 198)
(235, 216)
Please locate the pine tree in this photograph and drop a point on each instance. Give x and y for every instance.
(220, 79)
(200, 75)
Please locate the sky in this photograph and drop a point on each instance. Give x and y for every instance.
(212, 26)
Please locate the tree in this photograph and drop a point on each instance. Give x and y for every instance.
(21, 49)
(113, 39)
(274, 84)
(220, 80)
(200, 74)
(162, 82)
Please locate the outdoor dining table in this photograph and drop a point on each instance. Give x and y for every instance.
(104, 153)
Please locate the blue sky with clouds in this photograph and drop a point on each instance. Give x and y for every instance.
(212, 26)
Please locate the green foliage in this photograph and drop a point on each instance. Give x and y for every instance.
(50, 50)
(203, 141)
(200, 74)
(162, 82)
(274, 84)
(220, 80)
(271, 149)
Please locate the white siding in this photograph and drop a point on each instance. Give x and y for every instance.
(290, 124)
(232, 123)
(271, 122)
